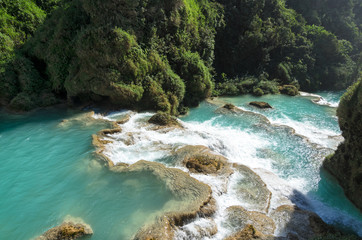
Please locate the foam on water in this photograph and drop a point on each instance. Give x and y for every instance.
(287, 163)
(318, 99)
(242, 143)
(326, 138)
(138, 141)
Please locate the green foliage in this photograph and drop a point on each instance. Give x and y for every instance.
(267, 36)
(289, 90)
(163, 54)
(258, 92)
(268, 87)
(89, 50)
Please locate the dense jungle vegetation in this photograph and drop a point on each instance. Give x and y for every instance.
(170, 54)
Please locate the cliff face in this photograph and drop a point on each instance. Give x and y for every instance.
(346, 163)
(153, 54)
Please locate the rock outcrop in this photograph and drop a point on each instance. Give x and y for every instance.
(67, 231)
(301, 223)
(165, 120)
(252, 190)
(191, 198)
(200, 159)
(240, 218)
(229, 106)
(346, 163)
(260, 104)
(249, 233)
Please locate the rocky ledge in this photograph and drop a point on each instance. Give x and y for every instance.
(200, 159)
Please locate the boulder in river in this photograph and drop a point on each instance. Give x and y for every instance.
(164, 119)
(262, 105)
(229, 106)
(200, 159)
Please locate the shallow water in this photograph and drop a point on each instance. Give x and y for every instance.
(48, 171)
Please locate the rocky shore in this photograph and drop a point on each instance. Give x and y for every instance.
(196, 199)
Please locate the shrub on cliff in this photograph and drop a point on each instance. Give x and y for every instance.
(143, 54)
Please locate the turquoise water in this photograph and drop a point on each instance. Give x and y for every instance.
(48, 172)
(296, 158)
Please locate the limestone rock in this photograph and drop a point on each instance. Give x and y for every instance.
(252, 190)
(66, 231)
(249, 233)
(346, 163)
(303, 224)
(200, 159)
(262, 105)
(191, 198)
(124, 119)
(239, 217)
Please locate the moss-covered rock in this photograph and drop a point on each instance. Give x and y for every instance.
(346, 163)
(164, 119)
(290, 90)
(229, 106)
(67, 231)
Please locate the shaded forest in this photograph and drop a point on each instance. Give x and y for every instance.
(168, 55)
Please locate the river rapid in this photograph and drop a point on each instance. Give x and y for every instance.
(49, 171)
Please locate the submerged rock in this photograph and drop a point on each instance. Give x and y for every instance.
(191, 198)
(239, 218)
(252, 190)
(202, 228)
(346, 163)
(110, 131)
(200, 159)
(85, 119)
(301, 223)
(260, 104)
(124, 119)
(67, 231)
(249, 233)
